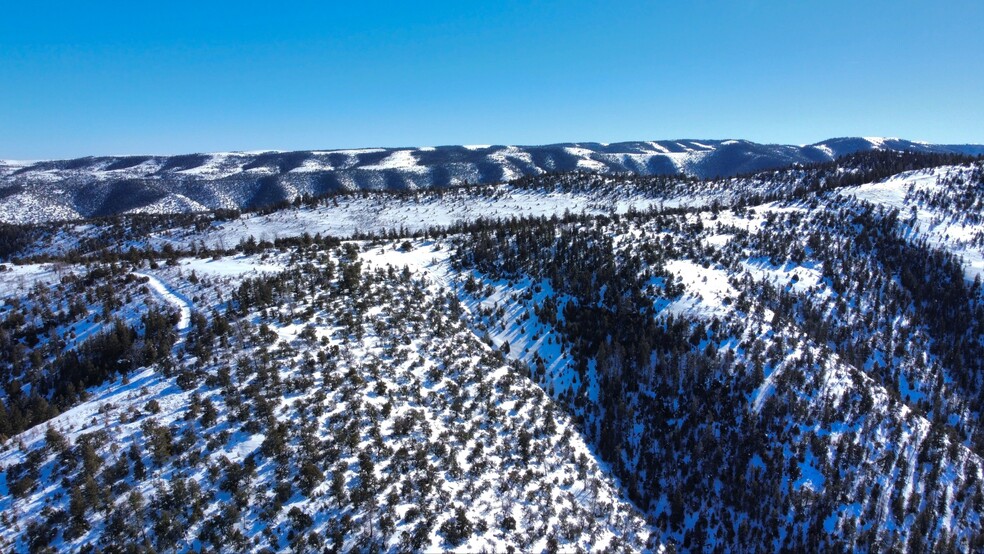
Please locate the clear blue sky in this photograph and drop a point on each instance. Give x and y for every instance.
(80, 78)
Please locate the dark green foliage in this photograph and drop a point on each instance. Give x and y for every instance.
(456, 528)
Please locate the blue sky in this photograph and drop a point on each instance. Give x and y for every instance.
(88, 78)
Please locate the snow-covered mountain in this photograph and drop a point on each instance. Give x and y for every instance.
(782, 361)
(107, 185)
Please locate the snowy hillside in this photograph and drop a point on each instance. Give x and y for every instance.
(789, 360)
(107, 185)
(729, 368)
(364, 416)
(944, 206)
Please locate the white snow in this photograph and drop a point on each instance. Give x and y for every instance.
(311, 165)
(585, 160)
(26, 208)
(684, 161)
(401, 159)
(879, 142)
(939, 230)
(231, 266)
(506, 158)
(382, 212)
(217, 165)
(707, 288)
(825, 149)
(172, 203)
(20, 278)
(173, 298)
(799, 278)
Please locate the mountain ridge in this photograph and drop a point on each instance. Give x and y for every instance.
(81, 188)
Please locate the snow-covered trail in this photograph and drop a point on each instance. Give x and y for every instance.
(173, 298)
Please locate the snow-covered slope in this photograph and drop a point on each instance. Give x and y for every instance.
(792, 375)
(944, 206)
(363, 417)
(784, 361)
(97, 186)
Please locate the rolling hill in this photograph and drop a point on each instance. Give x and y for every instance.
(108, 185)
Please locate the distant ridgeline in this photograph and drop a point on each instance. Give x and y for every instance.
(33, 192)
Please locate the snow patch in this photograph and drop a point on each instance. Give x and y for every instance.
(401, 159)
(173, 298)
